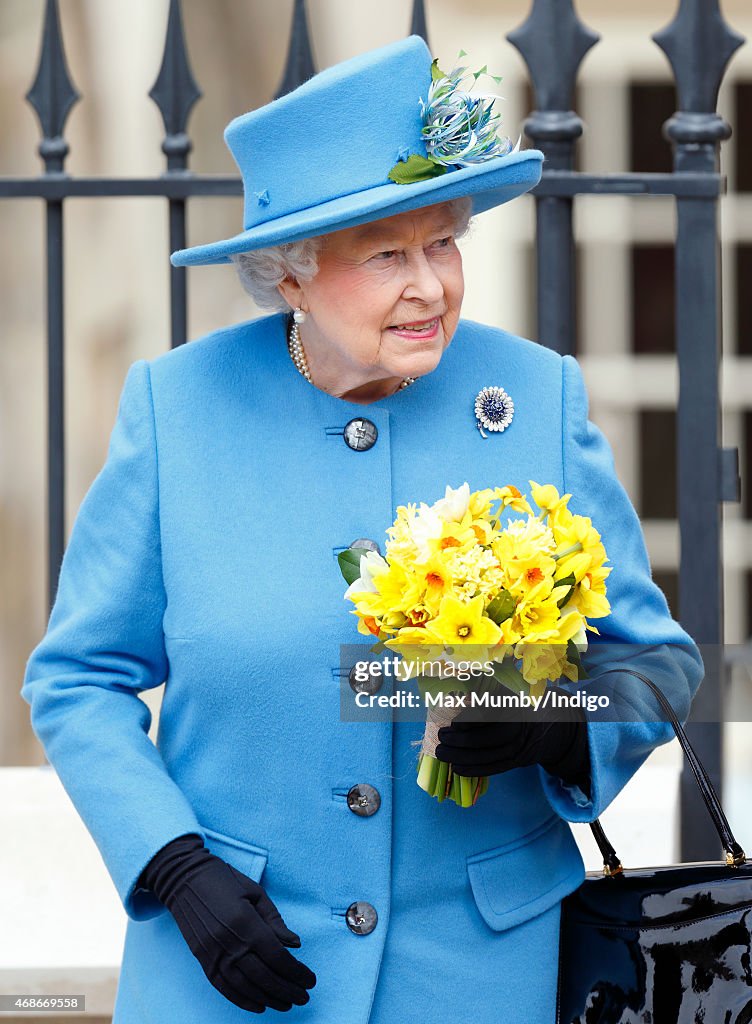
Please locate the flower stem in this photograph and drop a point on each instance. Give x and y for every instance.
(467, 786)
(438, 779)
(427, 768)
(568, 551)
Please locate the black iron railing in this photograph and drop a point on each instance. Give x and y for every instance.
(698, 44)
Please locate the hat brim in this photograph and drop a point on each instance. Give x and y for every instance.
(489, 184)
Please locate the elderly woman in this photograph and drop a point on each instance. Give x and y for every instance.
(271, 856)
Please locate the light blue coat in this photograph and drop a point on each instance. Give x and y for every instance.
(204, 554)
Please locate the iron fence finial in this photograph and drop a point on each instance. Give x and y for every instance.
(300, 64)
(418, 24)
(699, 44)
(175, 91)
(53, 93)
(553, 41)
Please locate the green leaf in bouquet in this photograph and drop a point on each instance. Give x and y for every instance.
(571, 582)
(501, 608)
(575, 658)
(349, 564)
(509, 675)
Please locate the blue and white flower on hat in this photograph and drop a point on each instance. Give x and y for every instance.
(460, 128)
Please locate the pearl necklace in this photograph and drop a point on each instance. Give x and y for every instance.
(295, 348)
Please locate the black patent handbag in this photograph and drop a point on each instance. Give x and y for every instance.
(665, 945)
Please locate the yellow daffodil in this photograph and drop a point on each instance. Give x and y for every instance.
(589, 537)
(509, 636)
(577, 563)
(545, 662)
(547, 498)
(541, 662)
(435, 580)
(485, 531)
(521, 548)
(463, 622)
(417, 615)
(391, 585)
(412, 636)
(560, 519)
(590, 597)
(537, 616)
(393, 621)
(455, 535)
(367, 603)
(580, 530)
(401, 546)
(416, 648)
(367, 624)
(480, 503)
(512, 497)
(545, 657)
(570, 626)
(524, 574)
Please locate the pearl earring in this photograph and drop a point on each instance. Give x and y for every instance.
(299, 316)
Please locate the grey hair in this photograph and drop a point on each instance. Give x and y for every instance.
(261, 270)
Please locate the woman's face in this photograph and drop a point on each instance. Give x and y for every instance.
(384, 304)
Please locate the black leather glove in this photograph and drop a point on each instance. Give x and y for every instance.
(231, 926)
(555, 738)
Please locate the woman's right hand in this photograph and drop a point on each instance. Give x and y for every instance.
(231, 926)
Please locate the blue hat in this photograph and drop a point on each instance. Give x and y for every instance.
(319, 158)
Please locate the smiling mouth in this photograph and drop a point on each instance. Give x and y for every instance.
(418, 326)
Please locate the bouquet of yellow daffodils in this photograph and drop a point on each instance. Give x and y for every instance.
(521, 594)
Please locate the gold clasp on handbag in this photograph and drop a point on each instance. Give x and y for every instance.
(735, 859)
(617, 869)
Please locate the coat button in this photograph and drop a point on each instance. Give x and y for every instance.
(370, 685)
(361, 918)
(366, 544)
(360, 434)
(363, 800)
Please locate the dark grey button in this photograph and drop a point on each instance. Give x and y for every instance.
(361, 918)
(360, 434)
(366, 544)
(370, 685)
(363, 800)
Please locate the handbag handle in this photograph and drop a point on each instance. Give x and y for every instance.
(734, 853)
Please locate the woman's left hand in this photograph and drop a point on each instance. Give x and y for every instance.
(556, 739)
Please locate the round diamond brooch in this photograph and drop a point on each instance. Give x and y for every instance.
(494, 409)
